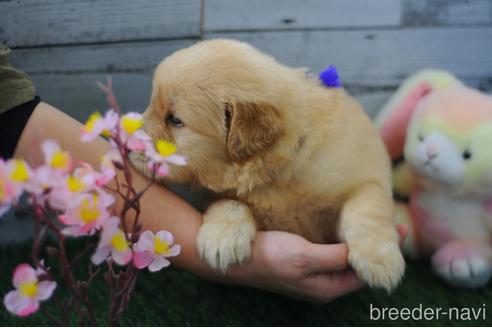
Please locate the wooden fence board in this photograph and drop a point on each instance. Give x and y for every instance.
(51, 22)
(104, 58)
(446, 12)
(66, 76)
(380, 57)
(229, 15)
(79, 96)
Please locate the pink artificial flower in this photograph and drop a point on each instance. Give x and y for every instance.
(131, 123)
(25, 299)
(55, 157)
(113, 242)
(138, 141)
(152, 250)
(160, 155)
(14, 177)
(88, 215)
(8, 190)
(14, 171)
(108, 169)
(19, 174)
(131, 133)
(98, 125)
(43, 179)
(73, 187)
(81, 180)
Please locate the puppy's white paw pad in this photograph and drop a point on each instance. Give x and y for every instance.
(380, 264)
(225, 245)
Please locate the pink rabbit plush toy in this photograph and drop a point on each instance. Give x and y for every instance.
(439, 135)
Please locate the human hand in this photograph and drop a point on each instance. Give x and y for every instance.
(290, 265)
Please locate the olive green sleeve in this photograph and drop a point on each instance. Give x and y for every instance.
(16, 87)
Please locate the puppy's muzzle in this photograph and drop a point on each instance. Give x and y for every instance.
(139, 162)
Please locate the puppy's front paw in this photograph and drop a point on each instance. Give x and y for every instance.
(379, 263)
(223, 246)
(225, 237)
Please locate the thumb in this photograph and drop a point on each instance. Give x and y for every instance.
(327, 258)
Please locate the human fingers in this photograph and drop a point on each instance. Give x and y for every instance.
(334, 257)
(402, 231)
(329, 285)
(327, 258)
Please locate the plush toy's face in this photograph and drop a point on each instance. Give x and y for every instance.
(450, 141)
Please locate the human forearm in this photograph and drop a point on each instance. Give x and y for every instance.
(280, 262)
(162, 210)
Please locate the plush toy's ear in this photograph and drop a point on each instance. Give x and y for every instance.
(394, 129)
(252, 128)
(393, 119)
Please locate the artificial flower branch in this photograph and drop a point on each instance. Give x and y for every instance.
(82, 200)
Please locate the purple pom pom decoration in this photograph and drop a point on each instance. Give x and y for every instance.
(330, 77)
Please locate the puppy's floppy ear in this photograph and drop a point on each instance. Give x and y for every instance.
(252, 128)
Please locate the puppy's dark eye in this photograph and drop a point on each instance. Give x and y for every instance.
(467, 155)
(174, 121)
(420, 137)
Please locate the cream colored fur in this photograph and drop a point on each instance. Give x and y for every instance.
(284, 152)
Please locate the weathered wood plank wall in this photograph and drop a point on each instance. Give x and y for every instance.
(55, 22)
(66, 45)
(374, 44)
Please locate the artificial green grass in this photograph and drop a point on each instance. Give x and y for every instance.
(177, 298)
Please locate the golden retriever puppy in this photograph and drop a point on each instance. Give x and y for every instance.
(284, 153)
